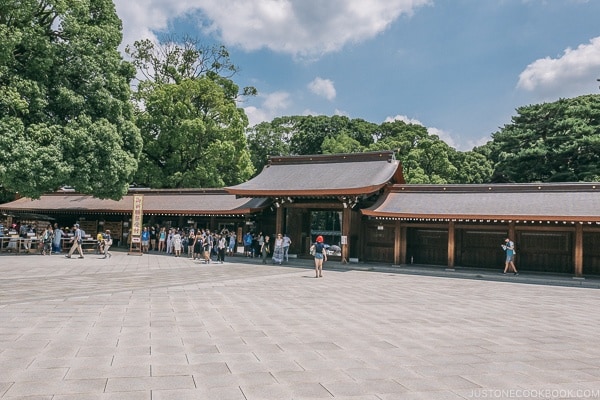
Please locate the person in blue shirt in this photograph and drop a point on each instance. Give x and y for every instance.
(145, 240)
(509, 249)
(248, 244)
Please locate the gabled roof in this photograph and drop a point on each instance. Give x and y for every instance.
(323, 175)
(524, 202)
(186, 202)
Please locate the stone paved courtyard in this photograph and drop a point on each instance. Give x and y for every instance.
(154, 327)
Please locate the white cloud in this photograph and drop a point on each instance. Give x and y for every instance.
(304, 28)
(572, 74)
(273, 104)
(323, 87)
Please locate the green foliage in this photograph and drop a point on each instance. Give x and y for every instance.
(268, 139)
(193, 131)
(65, 111)
(342, 143)
(425, 158)
(549, 142)
(296, 135)
(311, 131)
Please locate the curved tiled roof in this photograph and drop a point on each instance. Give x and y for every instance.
(323, 175)
(548, 202)
(165, 202)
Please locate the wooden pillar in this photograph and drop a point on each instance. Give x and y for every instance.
(451, 244)
(511, 231)
(403, 244)
(346, 218)
(398, 243)
(578, 256)
(279, 220)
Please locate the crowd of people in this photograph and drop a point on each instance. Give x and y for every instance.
(198, 244)
(206, 245)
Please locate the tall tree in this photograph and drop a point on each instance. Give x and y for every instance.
(558, 141)
(65, 111)
(311, 131)
(425, 158)
(269, 139)
(193, 131)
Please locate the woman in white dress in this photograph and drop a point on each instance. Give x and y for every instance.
(177, 243)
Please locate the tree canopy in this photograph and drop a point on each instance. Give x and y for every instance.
(549, 142)
(425, 158)
(193, 130)
(65, 112)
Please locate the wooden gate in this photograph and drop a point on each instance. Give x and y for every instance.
(379, 243)
(427, 246)
(545, 251)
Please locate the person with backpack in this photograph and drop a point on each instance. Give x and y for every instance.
(47, 240)
(320, 254)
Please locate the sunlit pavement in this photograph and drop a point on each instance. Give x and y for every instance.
(159, 327)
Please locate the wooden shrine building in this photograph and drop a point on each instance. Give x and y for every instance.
(556, 227)
(366, 212)
(335, 186)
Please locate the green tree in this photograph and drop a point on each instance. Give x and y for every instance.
(193, 131)
(471, 167)
(549, 142)
(269, 139)
(425, 158)
(342, 143)
(65, 111)
(311, 131)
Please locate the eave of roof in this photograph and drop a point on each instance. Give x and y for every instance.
(323, 175)
(578, 202)
(187, 202)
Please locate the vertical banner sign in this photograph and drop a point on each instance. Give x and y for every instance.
(136, 224)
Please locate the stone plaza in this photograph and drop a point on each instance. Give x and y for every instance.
(156, 327)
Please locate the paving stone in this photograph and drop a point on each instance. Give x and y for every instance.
(157, 327)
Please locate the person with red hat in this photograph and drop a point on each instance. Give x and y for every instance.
(320, 254)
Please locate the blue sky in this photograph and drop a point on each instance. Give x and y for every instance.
(458, 67)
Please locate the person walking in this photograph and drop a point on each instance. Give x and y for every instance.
(286, 246)
(107, 243)
(320, 254)
(265, 249)
(278, 250)
(47, 240)
(57, 240)
(509, 249)
(77, 240)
